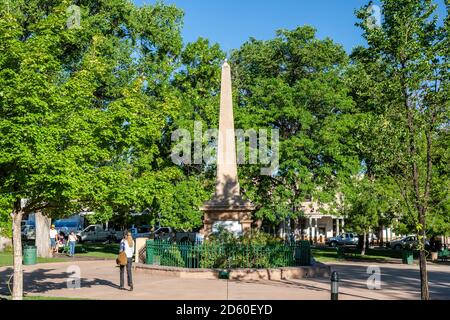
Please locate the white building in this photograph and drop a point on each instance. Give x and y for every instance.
(316, 225)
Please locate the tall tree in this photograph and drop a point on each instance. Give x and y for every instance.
(406, 66)
(82, 107)
(294, 83)
(367, 202)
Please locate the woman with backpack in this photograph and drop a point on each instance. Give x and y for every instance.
(126, 260)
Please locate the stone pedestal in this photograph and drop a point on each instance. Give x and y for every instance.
(234, 209)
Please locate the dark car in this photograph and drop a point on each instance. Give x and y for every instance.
(405, 242)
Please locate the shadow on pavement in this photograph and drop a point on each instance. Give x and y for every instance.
(43, 280)
(399, 279)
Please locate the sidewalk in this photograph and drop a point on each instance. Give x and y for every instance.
(99, 280)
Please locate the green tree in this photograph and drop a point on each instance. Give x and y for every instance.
(294, 83)
(367, 203)
(82, 109)
(402, 86)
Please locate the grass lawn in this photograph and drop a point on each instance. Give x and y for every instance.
(92, 250)
(325, 254)
(99, 250)
(6, 259)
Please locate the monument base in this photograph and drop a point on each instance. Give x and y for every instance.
(230, 211)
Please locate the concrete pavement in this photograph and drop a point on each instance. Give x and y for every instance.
(99, 280)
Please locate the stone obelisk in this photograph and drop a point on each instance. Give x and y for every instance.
(227, 204)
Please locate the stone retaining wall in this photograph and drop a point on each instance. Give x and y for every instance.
(316, 270)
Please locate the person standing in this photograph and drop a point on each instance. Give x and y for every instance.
(200, 237)
(53, 238)
(72, 242)
(127, 246)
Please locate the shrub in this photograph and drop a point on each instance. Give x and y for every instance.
(171, 256)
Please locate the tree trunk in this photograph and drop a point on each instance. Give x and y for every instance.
(381, 236)
(17, 293)
(43, 235)
(363, 250)
(419, 204)
(425, 294)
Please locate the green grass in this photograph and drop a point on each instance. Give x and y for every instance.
(101, 251)
(92, 250)
(6, 259)
(324, 254)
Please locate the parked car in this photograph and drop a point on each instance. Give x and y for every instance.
(343, 239)
(167, 233)
(405, 242)
(96, 233)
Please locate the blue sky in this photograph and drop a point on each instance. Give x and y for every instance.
(231, 22)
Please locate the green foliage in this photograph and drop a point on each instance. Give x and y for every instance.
(84, 112)
(171, 256)
(258, 250)
(401, 85)
(294, 83)
(369, 203)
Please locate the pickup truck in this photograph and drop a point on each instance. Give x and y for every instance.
(344, 239)
(96, 233)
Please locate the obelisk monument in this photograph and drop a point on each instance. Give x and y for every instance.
(227, 206)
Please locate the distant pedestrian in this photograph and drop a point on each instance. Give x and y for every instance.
(53, 239)
(72, 243)
(199, 236)
(127, 246)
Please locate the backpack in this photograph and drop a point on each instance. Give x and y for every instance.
(122, 257)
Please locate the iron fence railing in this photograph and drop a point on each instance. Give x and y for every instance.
(214, 255)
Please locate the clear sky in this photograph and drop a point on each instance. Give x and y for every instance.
(231, 22)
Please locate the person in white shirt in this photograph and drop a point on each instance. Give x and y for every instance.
(200, 236)
(53, 238)
(127, 245)
(72, 242)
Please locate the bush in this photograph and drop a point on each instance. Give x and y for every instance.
(257, 250)
(171, 256)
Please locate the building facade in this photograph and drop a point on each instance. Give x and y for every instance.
(316, 225)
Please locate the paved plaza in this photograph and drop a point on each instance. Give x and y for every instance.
(99, 280)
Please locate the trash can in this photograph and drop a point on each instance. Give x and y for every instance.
(407, 257)
(29, 255)
(149, 252)
(302, 253)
